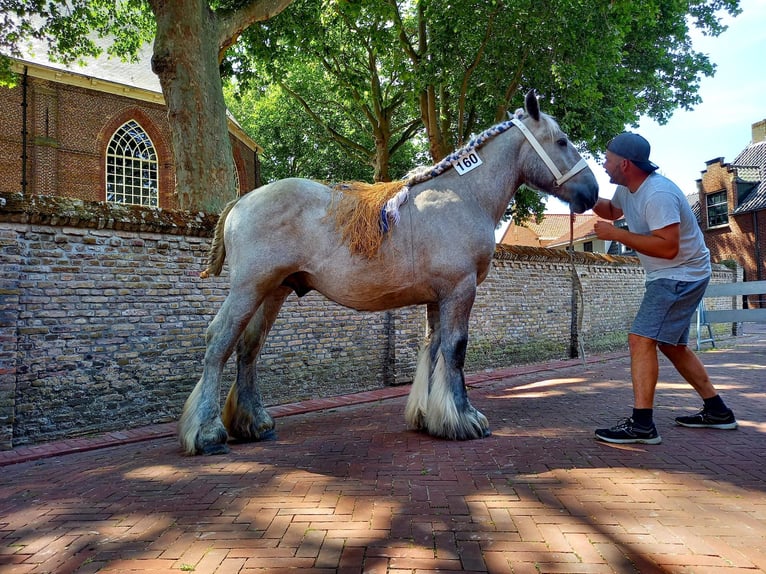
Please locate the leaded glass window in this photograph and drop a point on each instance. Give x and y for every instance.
(131, 167)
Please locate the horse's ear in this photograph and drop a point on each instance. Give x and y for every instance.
(531, 105)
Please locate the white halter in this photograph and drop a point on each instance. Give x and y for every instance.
(577, 168)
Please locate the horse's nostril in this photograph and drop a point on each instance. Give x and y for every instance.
(584, 197)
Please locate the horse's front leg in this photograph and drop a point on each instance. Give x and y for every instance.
(449, 413)
(200, 429)
(244, 415)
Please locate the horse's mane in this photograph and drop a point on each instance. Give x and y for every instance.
(358, 207)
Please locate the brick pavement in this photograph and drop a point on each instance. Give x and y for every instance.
(347, 489)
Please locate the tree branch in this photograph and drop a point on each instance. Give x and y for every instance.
(469, 72)
(411, 52)
(411, 129)
(513, 87)
(359, 150)
(231, 23)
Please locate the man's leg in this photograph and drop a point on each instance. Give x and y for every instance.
(714, 414)
(690, 368)
(644, 370)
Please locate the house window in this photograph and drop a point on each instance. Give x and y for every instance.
(587, 247)
(717, 209)
(131, 167)
(623, 249)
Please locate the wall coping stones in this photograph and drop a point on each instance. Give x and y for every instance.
(68, 212)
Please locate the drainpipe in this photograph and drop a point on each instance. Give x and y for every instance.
(758, 262)
(24, 105)
(388, 370)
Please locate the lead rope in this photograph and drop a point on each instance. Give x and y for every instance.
(576, 347)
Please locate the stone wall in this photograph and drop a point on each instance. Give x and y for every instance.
(103, 318)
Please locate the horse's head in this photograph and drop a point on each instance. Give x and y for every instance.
(551, 163)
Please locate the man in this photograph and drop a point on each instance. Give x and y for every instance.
(664, 232)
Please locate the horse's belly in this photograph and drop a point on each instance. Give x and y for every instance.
(367, 296)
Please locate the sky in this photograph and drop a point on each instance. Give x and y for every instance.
(720, 126)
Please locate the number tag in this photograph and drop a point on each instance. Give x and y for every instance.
(467, 162)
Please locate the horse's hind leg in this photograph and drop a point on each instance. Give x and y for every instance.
(449, 413)
(200, 430)
(417, 401)
(243, 414)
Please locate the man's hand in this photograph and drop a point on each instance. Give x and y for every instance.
(605, 230)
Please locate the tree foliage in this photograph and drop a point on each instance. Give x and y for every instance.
(459, 66)
(340, 65)
(598, 64)
(300, 147)
(373, 74)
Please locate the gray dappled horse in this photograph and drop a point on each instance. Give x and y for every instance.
(278, 240)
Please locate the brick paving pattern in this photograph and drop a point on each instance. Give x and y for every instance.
(347, 489)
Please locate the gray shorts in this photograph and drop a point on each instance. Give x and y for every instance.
(667, 310)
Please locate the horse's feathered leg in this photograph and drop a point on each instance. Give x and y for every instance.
(200, 430)
(449, 413)
(417, 402)
(243, 414)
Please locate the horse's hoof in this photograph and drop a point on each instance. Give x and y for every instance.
(262, 436)
(215, 448)
(270, 434)
(479, 434)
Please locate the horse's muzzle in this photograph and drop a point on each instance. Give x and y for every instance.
(583, 196)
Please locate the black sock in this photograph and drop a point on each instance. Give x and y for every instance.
(715, 405)
(643, 418)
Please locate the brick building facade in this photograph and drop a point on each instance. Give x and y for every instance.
(732, 208)
(58, 125)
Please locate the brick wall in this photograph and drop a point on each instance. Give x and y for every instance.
(68, 129)
(103, 317)
(10, 140)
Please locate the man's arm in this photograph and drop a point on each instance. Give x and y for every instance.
(663, 243)
(605, 209)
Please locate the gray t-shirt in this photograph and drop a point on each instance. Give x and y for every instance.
(657, 204)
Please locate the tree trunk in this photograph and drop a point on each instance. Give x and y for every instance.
(186, 62)
(382, 160)
(429, 116)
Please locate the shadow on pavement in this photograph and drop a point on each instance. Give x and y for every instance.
(351, 490)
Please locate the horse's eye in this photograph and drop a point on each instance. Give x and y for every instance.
(562, 142)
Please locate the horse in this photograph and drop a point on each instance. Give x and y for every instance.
(280, 239)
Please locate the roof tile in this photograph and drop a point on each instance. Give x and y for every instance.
(750, 167)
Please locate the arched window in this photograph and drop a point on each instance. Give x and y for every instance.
(237, 186)
(131, 167)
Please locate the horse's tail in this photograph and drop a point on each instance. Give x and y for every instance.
(217, 253)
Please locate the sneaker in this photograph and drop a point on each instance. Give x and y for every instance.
(626, 432)
(707, 420)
